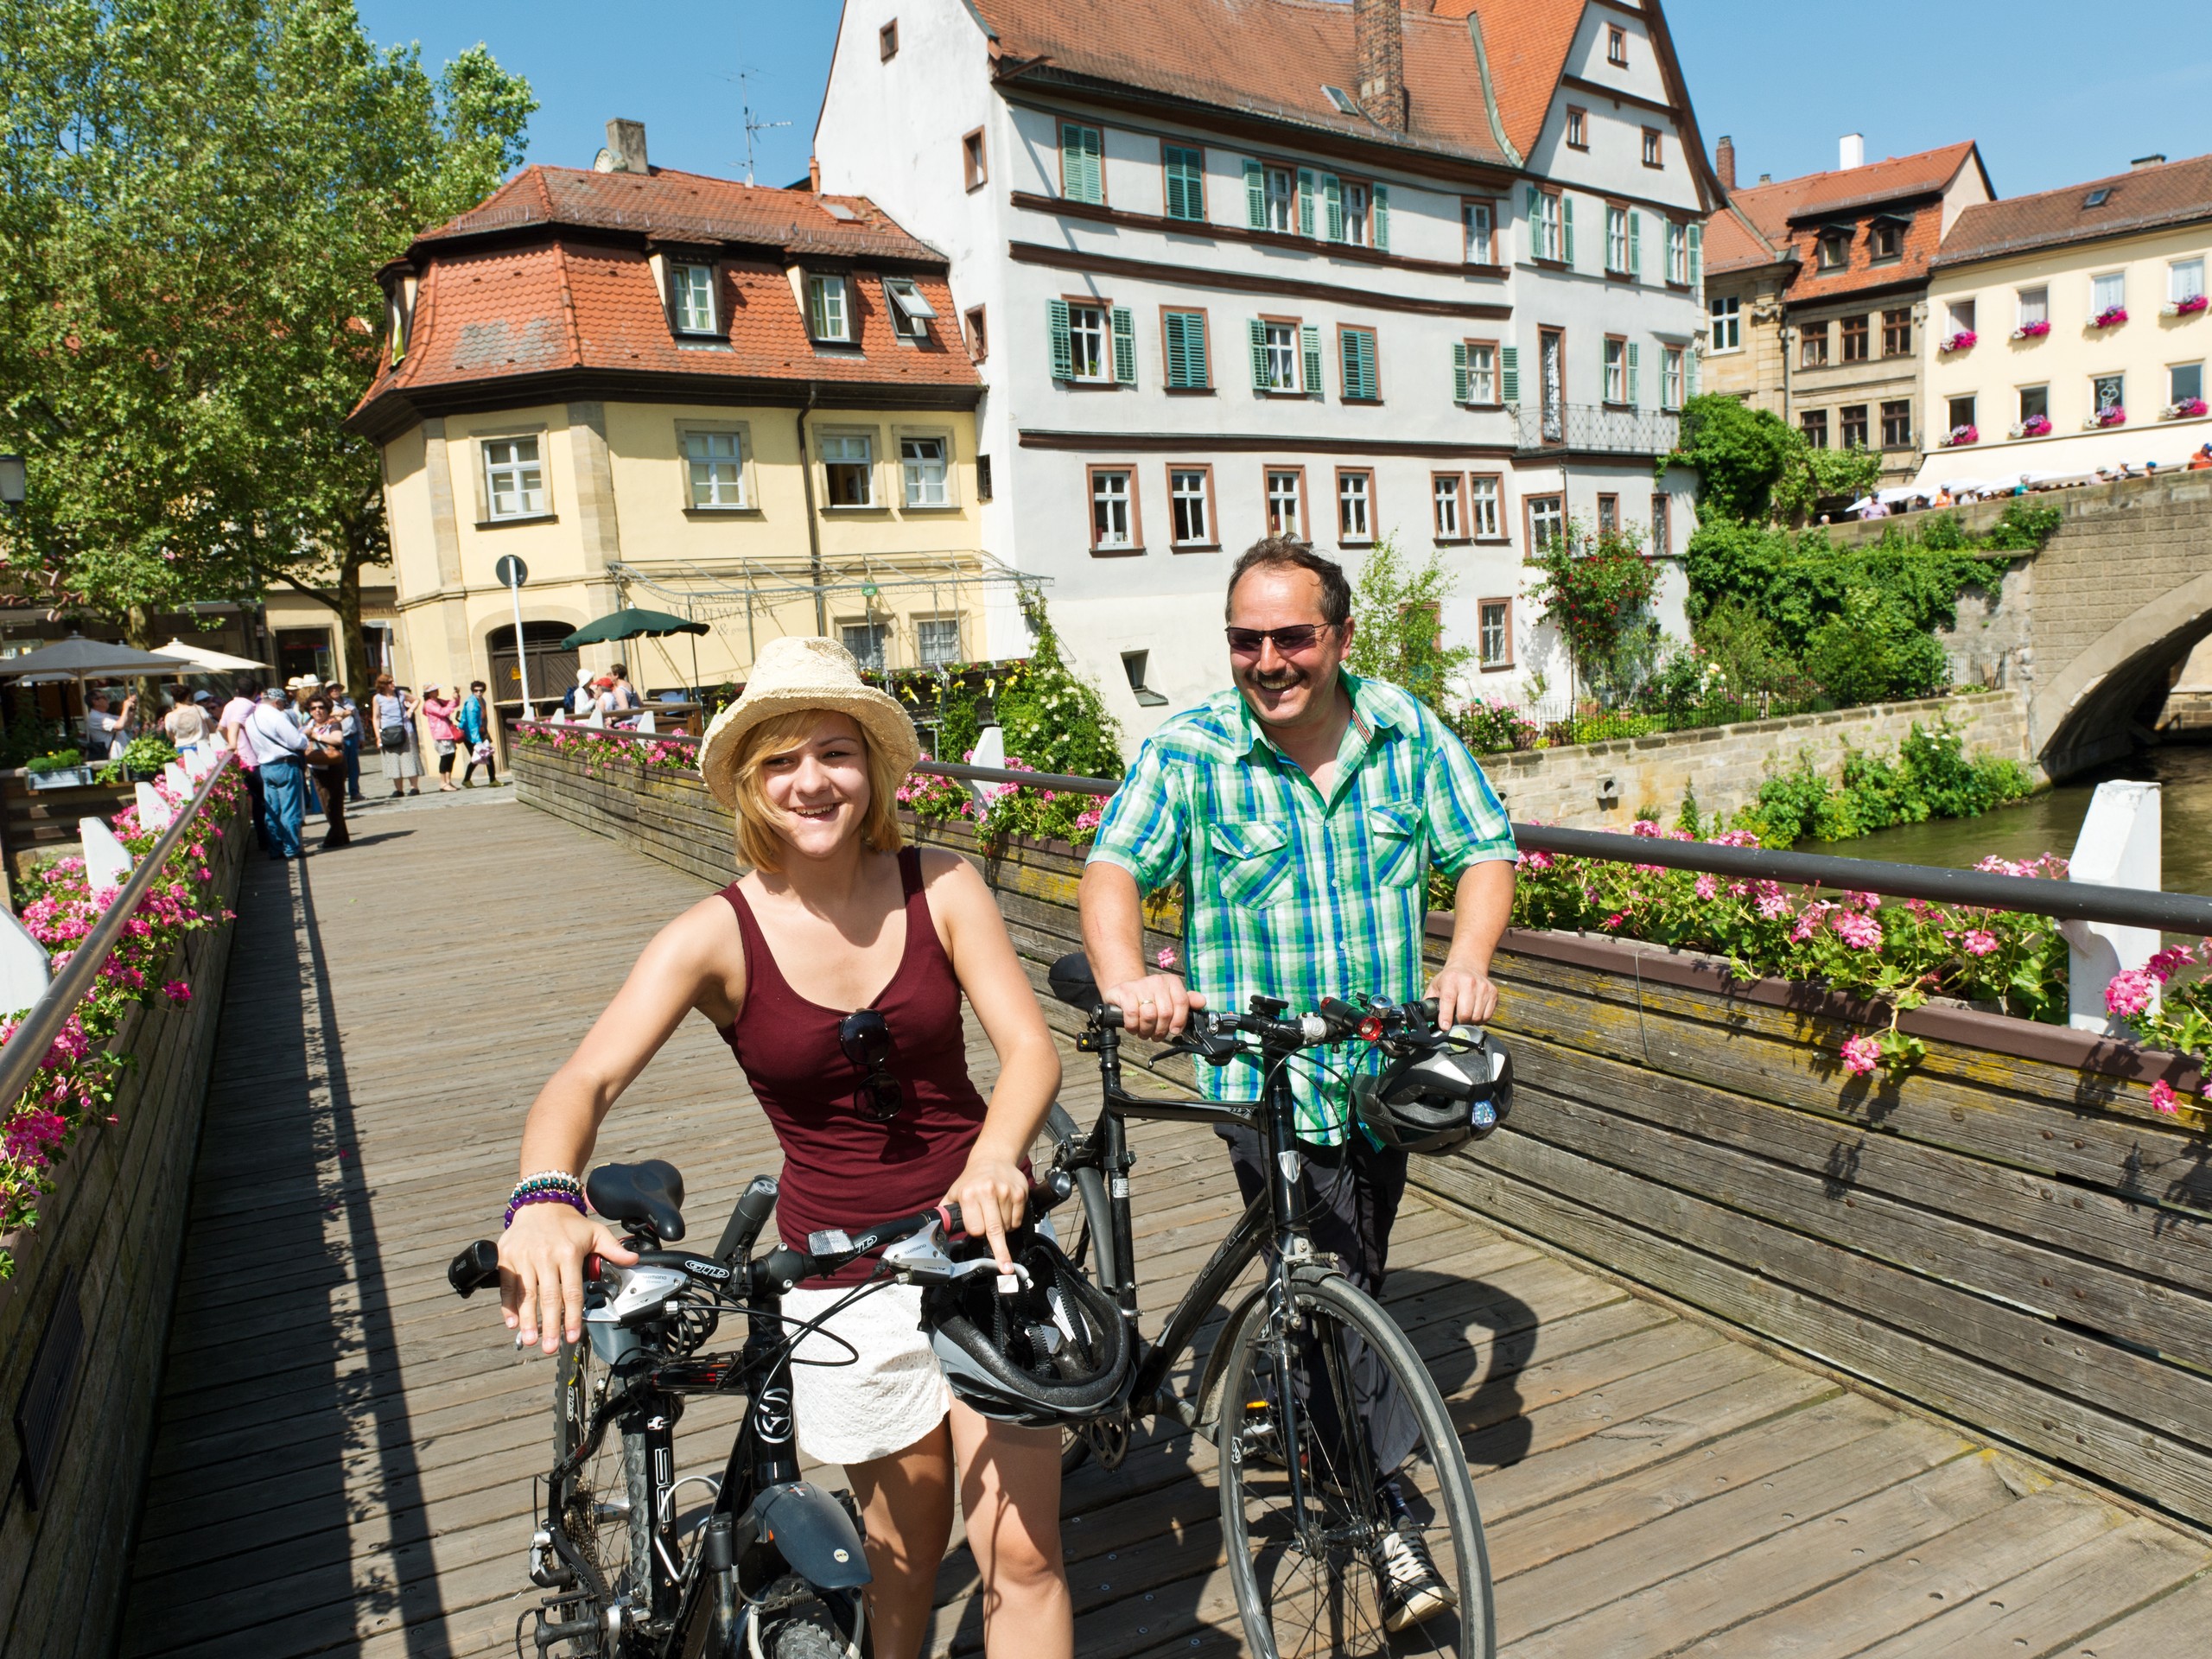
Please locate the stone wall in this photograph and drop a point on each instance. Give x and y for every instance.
(1603, 786)
(107, 1238)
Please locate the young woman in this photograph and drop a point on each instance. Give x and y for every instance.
(393, 709)
(836, 919)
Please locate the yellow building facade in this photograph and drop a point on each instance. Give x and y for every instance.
(753, 409)
(2053, 385)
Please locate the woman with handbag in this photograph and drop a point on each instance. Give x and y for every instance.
(393, 717)
(326, 757)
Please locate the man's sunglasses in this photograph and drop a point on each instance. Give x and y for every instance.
(866, 1038)
(1246, 642)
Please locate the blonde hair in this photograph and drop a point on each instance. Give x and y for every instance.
(760, 840)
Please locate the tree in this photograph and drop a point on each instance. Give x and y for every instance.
(1751, 467)
(1597, 592)
(197, 195)
(1398, 633)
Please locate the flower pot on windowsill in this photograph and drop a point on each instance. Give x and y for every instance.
(2187, 308)
(2111, 317)
(2037, 426)
(2105, 417)
(1961, 341)
(2031, 331)
(1959, 436)
(2188, 409)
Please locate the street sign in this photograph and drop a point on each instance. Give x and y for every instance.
(510, 571)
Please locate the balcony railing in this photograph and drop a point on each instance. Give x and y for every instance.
(1596, 426)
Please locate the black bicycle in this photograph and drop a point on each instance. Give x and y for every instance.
(1349, 1513)
(768, 1566)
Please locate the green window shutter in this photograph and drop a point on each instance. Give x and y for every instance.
(1536, 223)
(1697, 254)
(1383, 218)
(1125, 347)
(1636, 245)
(1083, 176)
(1305, 201)
(1185, 171)
(1370, 380)
(1332, 191)
(1632, 397)
(1689, 372)
(1508, 374)
(1459, 371)
(1063, 347)
(1256, 196)
(1357, 351)
(1194, 349)
(1170, 340)
(1259, 336)
(1567, 228)
(816, 324)
(1309, 340)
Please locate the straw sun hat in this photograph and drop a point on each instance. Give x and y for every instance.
(792, 673)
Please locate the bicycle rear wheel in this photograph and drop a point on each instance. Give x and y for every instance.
(603, 1510)
(1319, 1552)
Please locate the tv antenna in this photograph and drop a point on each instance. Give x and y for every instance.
(753, 123)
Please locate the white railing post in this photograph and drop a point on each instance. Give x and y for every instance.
(2118, 847)
(107, 861)
(155, 812)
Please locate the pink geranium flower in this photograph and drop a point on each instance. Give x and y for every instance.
(2162, 1097)
(2129, 994)
(1980, 943)
(1861, 1055)
(1860, 932)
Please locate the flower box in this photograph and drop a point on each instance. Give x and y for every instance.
(1961, 341)
(2036, 426)
(2104, 417)
(2111, 317)
(2189, 307)
(1959, 436)
(60, 778)
(2187, 409)
(2031, 331)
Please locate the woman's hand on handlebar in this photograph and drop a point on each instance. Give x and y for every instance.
(1155, 1007)
(542, 1271)
(993, 1195)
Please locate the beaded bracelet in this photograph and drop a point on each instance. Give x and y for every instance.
(542, 1195)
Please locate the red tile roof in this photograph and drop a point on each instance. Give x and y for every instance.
(2145, 198)
(1733, 242)
(1769, 219)
(1774, 208)
(1526, 42)
(1269, 57)
(551, 276)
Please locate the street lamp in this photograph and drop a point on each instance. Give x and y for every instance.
(14, 481)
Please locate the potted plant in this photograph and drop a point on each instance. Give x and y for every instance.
(2114, 416)
(1960, 436)
(2189, 307)
(60, 769)
(2032, 330)
(2188, 409)
(2036, 426)
(2111, 317)
(142, 757)
(1961, 341)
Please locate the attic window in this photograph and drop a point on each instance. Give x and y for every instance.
(827, 319)
(837, 210)
(1886, 240)
(910, 312)
(1835, 249)
(1343, 99)
(2098, 197)
(691, 293)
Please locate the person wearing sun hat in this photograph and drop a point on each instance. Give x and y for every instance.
(874, 1110)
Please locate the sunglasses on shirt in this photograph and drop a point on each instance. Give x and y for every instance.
(1246, 642)
(866, 1038)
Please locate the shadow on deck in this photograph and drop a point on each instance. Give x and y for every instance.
(345, 1453)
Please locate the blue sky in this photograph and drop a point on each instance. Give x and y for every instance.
(2054, 95)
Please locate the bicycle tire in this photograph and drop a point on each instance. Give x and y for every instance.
(1086, 1236)
(1306, 1570)
(611, 1478)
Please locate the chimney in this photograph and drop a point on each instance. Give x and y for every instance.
(1852, 152)
(626, 147)
(2147, 161)
(813, 175)
(1379, 43)
(1724, 161)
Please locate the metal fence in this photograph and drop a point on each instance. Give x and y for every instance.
(1596, 426)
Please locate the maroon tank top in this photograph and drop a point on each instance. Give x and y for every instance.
(841, 1169)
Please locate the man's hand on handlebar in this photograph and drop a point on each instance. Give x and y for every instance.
(1155, 1007)
(1463, 997)
(542, 1271)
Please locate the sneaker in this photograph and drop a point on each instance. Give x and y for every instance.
(1412, 1588)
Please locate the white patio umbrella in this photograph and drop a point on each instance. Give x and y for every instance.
(209, 661)
(80, 659)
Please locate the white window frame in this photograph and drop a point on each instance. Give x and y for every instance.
(922, 654)
(2031, 305)
(2184, 279)
(1478, 232)
(1544, 232)
(524, 477)
(1973, 404)
(2173, 392)
(1503, 655)
(1616, 363)
(1284, 204)
(1678, 252)
(2098, 303)
(692, 284)
(1180, 494)
(2021, 400)
(1962, 315)
(1446, 507)
(1355, 504)
(2097, 404)
(1286, 503)
(1113, 503)
(1090, 319)
(878, 639)
(1540, 516)
(1616, 239)
(1291, 350)
(1358, 213)
(1725, 312)
(865, 437)
(908, 307)
(1486, 507)
(1482, 372)
(820, 285)
(914, 481)
(1671, 370)
(730, 493)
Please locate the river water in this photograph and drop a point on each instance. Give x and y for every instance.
(2049, 823)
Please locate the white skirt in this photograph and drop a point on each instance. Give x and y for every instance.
(856, 1410)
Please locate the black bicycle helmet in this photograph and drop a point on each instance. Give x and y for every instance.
(1052, 1352)
(1433, 1102)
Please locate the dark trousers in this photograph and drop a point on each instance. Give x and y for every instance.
(331, 780)
(353, 768)
(490, 768)
(260, 808)
(1351, 1194)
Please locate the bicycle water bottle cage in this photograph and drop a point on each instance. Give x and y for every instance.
(649, 1195)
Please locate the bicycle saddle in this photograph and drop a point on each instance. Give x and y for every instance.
(1073, 982)
(650, 1194)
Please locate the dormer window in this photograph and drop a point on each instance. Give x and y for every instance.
(692, 288)
(395, 310)
(1835, 249)
(1885, 240)
(828, 317)
(909, 310)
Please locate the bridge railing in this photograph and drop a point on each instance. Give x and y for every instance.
(2171, 913)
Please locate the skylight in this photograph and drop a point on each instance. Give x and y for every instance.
(2098, 197)
(838, 210)
(1342, 99)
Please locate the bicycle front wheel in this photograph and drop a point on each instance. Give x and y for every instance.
(1346, 1505)
(603, 1508)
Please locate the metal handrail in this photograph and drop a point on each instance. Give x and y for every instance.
(27, 1049)
(2083, 901)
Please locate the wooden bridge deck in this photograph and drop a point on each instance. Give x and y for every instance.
(346, 1451)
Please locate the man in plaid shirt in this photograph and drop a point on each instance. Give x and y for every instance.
(1302, 812)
